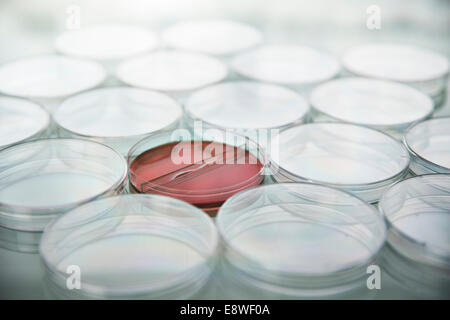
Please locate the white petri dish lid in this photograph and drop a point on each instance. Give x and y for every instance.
(132, 246)
(43, 178)
(371, 102)
(247, 105)
(107, 42)
(171, 71)
(429, 145)
(300, 235)
(216, 37)
(49, 76)
(286, 64)
(396, 62)
(417, 211)
(21, 120)
(357, 159)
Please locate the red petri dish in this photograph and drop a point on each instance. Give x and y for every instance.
(202, 173)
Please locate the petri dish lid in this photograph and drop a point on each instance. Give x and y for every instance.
(49, 76)
(396, 62)
(21, 120)
(216, 37)
(132, 245)
(429, 144)
(286, 64)
(290, 230)
(352, 157)
(107, 42)
(417, 211)
(171, 70)
(246, 104)
(371, 102)
(43, 178)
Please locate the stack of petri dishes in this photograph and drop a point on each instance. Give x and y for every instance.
(424, 69)
(298, 240)
(203, 171)
(428, 143)
(131, 247)
(388, 106)
(117, 116)
(353, 158)
(417, 211)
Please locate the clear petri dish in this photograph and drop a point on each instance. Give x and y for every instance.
(118, 117)
(389, 106)
(428, 143)
(417, 212)
(291, 65)
(216, 37)
(419, 67)
(297, 240)
(356, 159)
(201, 170)
(171, 71)
(131, 246)
(21, 120)
(44, 178)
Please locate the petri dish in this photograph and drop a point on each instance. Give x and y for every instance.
(201, 170)
(417, 211)
(21, 120)
(171, 71)
(299, 239)
(246, 105)
(419, 67)
(385, 105)
(107, 42)
(356, 159)
(216, 37)
(428, 143)
(290, 65)
(118, 117)
(129, 247)
(44, 178)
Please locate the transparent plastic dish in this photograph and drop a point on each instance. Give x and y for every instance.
(118, 117)
(422, 68)
(291, 65)
(417, 212)
(171, 71)
(356, 159)
(215, 37)
(21, 120)
(201, 170)
(299, 240)
(428, 143)
(389, 106)
(44, 178)
(129, 247)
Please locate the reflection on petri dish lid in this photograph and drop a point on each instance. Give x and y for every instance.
(216, 37)
(418, 214)
(247, 105)
(21, 120)
(44, 178)
(357, 159)
(286, 64)
(49, 76)
(376, 103)
(300, 238)
(118, 116)
(429, 145)
(106, 42)
(171, 71)
(132, 246)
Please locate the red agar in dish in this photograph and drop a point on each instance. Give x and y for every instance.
(209, 172)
